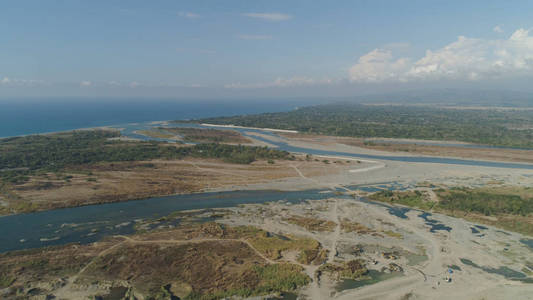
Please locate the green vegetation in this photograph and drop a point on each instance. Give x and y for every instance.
(273, 278)
(487, 202)
(159, 134)
(6, 281)
(393, 234)
(201, 135)
(510, 128)
(24, 156)
(408, 198)
(348, 226)
(353, 269)
(506, 207)
(272, 245)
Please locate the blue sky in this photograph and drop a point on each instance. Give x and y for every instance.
(261, 48)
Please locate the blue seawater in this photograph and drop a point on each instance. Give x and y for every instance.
(31, 116)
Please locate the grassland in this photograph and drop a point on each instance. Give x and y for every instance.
(160, 134)
(312, 224)
(408, 198)
(203, 135)
(353, 269)
(86, 167)
(206, 261)
(25, 155)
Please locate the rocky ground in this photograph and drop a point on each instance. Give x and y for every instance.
(339, 247)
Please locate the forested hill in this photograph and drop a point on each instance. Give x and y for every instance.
(497, 127)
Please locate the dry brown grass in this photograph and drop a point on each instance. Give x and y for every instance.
(312, 224)
(113, 182)
(219, 263)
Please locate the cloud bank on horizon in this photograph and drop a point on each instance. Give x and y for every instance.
(464, 59)
(255, 49)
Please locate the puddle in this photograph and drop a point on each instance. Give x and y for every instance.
(528, 243)
(397, 211)
(455, 267)
(506, 272)
(415, 259)
(435, 225)
(375, 277)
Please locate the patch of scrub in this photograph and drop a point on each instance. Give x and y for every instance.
(372, 277)
(506, 272)
(284, 296)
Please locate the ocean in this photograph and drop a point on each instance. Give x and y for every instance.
(31, 116)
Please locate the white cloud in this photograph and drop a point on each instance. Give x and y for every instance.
(140, 84)
(86, 83)
(497, 29)
(378, 65)
(275, 17)
(11, 82)
(281, 82)
(464, 59)
(254, 37)
(188, 15)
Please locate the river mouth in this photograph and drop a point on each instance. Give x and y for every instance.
(282, 144)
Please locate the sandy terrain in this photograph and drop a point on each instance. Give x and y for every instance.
(403, 147)
(423, 280)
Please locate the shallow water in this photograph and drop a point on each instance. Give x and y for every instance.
(434, 224)
(375, 277)
(506, 272)
(415, 259)
(397, 211)
(87, 224)
(528, 243)
(423, 159)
